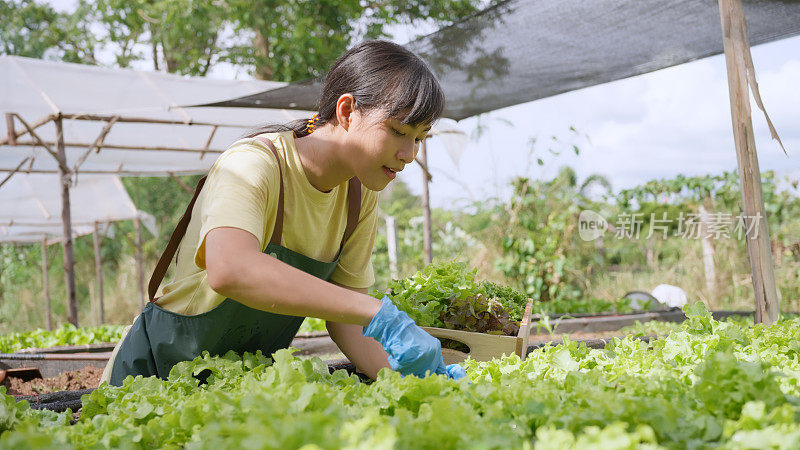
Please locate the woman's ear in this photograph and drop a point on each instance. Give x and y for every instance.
(345, 106)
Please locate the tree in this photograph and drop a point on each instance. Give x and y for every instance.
(37, 30)
(276, 39)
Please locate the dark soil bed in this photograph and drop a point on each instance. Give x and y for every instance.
(86, 378)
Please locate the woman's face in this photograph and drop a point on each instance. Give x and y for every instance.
(382, 147)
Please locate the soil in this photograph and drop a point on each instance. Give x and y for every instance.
(86, 378)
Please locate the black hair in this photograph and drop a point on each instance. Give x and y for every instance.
(380, 75)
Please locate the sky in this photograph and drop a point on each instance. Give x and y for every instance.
(658, 125)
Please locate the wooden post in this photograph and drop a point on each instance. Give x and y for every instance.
(391, 243)
(46, 284)
(12, 133)
(709, 253)
(66, 221)
(98, 270)
(426, 205)
(139, 261)
(737, 50)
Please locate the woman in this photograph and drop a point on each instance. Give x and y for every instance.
(282, 229)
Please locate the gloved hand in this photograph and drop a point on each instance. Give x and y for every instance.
(411, 350)
(455, 371)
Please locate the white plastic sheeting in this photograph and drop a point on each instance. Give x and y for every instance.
(35, 89)
(30, 207)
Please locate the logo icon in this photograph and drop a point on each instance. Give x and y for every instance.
(591, 225)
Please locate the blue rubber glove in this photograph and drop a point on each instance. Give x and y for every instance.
(455, 371)
(411, 350)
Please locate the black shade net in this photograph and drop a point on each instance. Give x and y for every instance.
(524, 50)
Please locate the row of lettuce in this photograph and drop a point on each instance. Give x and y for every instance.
(707, 384)
(445, 295)
(68, 334)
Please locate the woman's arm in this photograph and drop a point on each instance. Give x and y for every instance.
(366, 353)
(236, 268)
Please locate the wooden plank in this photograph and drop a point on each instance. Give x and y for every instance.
(482, 347)
(524, 334)
(737, 57)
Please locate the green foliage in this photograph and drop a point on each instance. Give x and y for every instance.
(36, 30)
(67, 334)
(274, 39)
(454, 234)
(542, 222)
(312, 325)
(708, 384)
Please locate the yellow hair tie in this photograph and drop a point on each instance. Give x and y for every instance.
(312, 123)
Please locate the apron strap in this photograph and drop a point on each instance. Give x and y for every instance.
(172, 246)
(183, 224)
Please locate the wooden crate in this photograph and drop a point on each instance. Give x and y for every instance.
(485, 347)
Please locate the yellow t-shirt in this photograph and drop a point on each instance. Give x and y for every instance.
(241, 191)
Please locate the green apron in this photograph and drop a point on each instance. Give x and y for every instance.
(159, 339)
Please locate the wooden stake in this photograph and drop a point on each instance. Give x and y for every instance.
(737, 51)
(139, 261)
(66, 221)
(98, 270)
(426, 205)
(709, 252)
(46, 284)
(391, 243)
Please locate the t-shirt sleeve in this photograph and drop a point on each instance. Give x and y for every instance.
(355, 264)
(240, 192)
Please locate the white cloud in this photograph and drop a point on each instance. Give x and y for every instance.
(657, 125)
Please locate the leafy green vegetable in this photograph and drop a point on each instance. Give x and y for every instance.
(446, 295)
(67, 334)
(512, 300)
(708, 384)
(312, 325)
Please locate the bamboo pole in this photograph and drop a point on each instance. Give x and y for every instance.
(139, 261)
(737, 50)
(426, 205)
(98, 269)
(66, 221)
(46, 284)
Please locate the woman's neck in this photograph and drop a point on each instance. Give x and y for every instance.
(320, 156)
